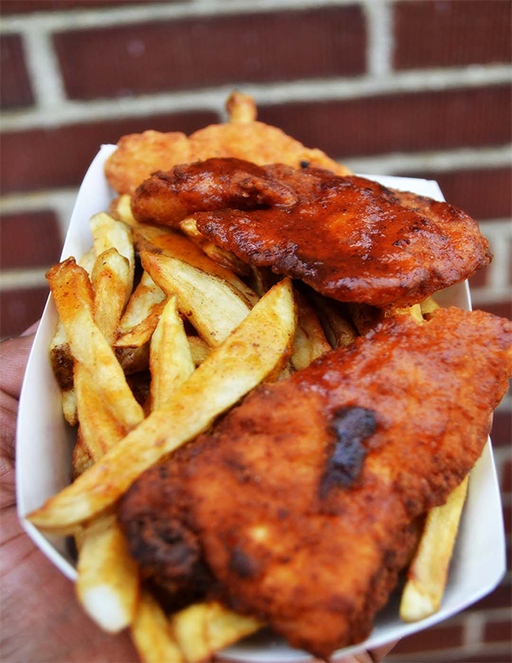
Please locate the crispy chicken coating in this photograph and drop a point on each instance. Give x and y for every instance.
(298, 508)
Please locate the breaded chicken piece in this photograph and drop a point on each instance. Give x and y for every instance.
(348, 238)
(298, 508)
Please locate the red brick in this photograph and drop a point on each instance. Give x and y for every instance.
(41, 158)
(212, 50)
(507, 519)
(399, 122)
(480, 278)
(452, 33)
(506, 477)
(29, 239)
(501, 433)
(483, 657)
(496, 631)
(441, 637)
(28, 6)
(20, 308)
(503, 309)
(499, 598)
(15, 91)
(482, 193)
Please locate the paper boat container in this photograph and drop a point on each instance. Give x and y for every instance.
(45, 443)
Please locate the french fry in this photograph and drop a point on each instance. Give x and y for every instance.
(141, 315)
(99, 429)
(82, 459)
(152, 634)
(427, 574)
(241, 108)
(339, 331)
(220, 255)
(109, 233)
(415, 311)
(198, 349)
(73, 296)
(121, 209)
(429, 305)
(207, 301)
(110, 280)
(133, 360)
(364, 317)
(203, 629)
(170, 359)
(108, 580)
(310, 341)
(173, 244)
(69, 406)
(257, 347)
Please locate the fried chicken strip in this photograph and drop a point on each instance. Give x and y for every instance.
(348, 238)
(298, 508)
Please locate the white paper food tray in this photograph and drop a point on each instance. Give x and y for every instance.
(45, 442)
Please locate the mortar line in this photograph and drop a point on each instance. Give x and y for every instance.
(379, 22)
(43, 69)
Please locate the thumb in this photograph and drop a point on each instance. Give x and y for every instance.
(13, 360)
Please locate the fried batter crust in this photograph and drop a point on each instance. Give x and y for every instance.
(409, 405)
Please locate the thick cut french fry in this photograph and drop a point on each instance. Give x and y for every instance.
(203, 629)
(198, 349)
(121, 209)
(339, 331)
(139, 319)
(207, 301)
(220, 255)
(175, 245)
(110, 280)
(241, 108)
(364, 317)
(310, 341)
(427, 574)
(73, 296)
(87, 261)
(82, 459)
(152, 634)
(415, 311)
(133, 360)
(99, 429)
(69, 406)
(109, 233)
(258, 347)
(170, 360)
(429, 306)
(108, 580)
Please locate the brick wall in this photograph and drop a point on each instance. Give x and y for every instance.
(415, 88)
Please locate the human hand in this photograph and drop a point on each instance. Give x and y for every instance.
(41, 619)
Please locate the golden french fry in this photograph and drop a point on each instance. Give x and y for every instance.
(310, 341)
(69, 406)
(258, 347)
(87, 261)
(203, 629)
(427, 574)
(415, 311)
(82, 459)
(170, 360)
(220, 255)
(207, 301)
(339, 331)
(108, 581)
(110, 280)
(73, 296)
(133, 360)
(121, 209)
(241, 108)
(99, 429)
(109, 233)
(142, 314)
(198, 349)
(152, 634)
(429, 305)
(173, 244)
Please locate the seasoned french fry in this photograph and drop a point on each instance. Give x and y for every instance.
(133, 360)
(108, 580)
(108, 233)
(207, 301)
(170, 360)
(257, 347)
(338, 329)
(310, 341)
(138, 321)
(427, 574)
(73, 296)
(198, 349)
(205, 628)
(152, 633)
(110, 280)
(175, 245)
(220, 255)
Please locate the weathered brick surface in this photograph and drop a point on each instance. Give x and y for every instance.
(41, 158)
(28, 6)
(441, 637)
(506, 477)
(503, 309)
(29, 239)
(212, 50)
(503, 657)
(499, 598)
(501, 433)
(452, 32)
(20, 308)
(15, 90)
(399, 122)
(482, 193)
(496, 631)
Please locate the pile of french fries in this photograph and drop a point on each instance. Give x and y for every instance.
(194, 332)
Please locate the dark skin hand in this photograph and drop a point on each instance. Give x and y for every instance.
(41, 620)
